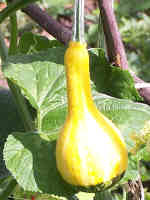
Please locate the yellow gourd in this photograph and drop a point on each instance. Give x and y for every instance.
(90, 149)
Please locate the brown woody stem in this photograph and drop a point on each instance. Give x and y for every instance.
(115, 49)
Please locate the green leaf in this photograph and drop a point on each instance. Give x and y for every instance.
(9, 122)
(111, 80)
(30, 157)
(30, 42)
(42, 80)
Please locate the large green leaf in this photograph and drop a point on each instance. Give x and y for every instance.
(31, 159)
(42, 80)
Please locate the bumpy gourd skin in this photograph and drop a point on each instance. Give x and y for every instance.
(90, 149)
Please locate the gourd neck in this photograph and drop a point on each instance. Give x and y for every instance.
(78, 77)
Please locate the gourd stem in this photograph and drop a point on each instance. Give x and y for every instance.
(78, 27)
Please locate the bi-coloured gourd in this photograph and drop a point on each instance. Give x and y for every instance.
(90, 150)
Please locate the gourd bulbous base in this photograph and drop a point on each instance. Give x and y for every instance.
(90, 150)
